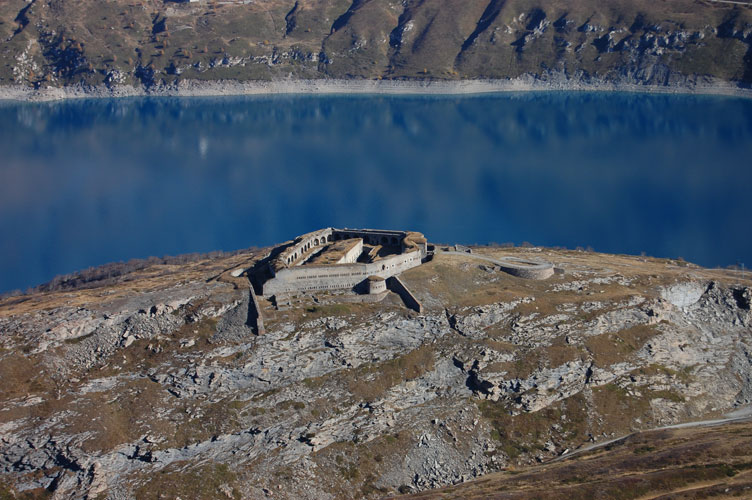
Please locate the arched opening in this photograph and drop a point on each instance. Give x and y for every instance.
(394, 240)
(383, 240)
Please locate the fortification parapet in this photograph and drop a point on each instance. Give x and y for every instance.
(335, 259)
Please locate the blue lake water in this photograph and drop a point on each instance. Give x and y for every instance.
(93, 181)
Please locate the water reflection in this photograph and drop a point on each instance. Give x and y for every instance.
(88, 182)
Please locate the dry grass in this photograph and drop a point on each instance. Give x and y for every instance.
(670, 464)
(522, 434)
(370, 382)
(609, 348)
(209, 481)
(149, 279)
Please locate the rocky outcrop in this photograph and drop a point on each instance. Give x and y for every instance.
(690, 318)
(142, 385)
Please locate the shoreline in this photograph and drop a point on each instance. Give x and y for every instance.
(216, 88)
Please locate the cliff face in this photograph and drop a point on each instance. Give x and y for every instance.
(154, 382)
(682, 42)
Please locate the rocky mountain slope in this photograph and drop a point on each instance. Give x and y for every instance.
(667, 464)
(152, 385)
(162, 43)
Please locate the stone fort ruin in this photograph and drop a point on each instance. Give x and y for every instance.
(357, 265)
(330, 259)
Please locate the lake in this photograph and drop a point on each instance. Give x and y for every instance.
(88, 182)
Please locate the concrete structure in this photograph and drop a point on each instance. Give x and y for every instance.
(397, 286)
(376, 284)
(254, 315)
(341, 259)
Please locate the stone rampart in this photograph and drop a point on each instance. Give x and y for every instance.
(343, 276)
(376, 284)
(523, 268)
(293, 254)
(255, 315)
(397, 286)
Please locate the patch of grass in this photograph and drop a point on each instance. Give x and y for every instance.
(370, 382)
(329, 310)
(237, 404)
(643, 449)
(684, 375)
(520, 434)
(209, 481)
(313, 382)
(610, 348)
(21, 376)
(350, 472)
(78, 340)
(668, 395)
(296, 405)
(6, 493)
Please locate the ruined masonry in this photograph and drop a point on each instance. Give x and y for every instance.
(364, 261)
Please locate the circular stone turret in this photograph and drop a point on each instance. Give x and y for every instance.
(376, 284)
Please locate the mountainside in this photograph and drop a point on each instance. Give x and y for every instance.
(154, 44)
(668, 464)
(152, 384)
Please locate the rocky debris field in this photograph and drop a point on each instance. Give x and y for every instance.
(164, 44)
(156, 384)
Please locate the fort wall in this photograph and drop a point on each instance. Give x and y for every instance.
(254, 315)
(397, 286)
(320, 278)
(527, 269)
(376, 284)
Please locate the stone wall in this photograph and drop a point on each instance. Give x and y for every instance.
(293, 254)
(255, 314)
(351, 255)
(397, 286)
(528, 269)
(376, 284)
(302, 246)
(343, 276)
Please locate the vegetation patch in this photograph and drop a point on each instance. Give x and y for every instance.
(210, 481)
(527, 432)
(610, 348)
(370, 382)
